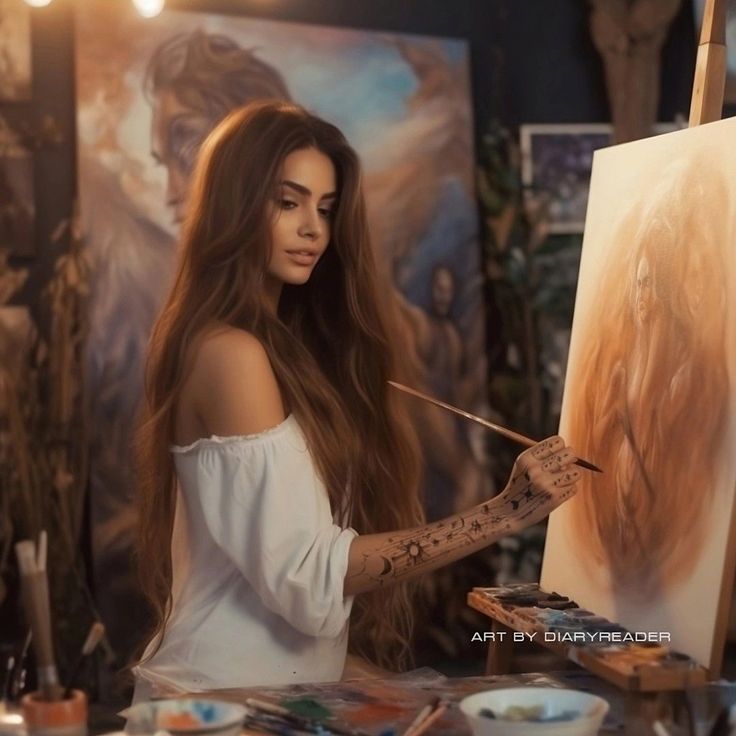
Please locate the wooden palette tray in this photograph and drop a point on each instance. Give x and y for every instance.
(630, 666)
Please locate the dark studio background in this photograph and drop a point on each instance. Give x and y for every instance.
(532, 61)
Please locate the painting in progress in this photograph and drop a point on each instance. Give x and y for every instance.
(649, 392)
(149, 92)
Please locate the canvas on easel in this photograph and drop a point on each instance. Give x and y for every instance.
(650, 392)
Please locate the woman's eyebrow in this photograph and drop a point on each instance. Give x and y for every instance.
(304, 190)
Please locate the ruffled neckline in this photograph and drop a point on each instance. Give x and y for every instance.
(218, 440)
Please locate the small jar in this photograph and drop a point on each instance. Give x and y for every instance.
(66, 717)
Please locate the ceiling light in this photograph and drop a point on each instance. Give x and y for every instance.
(149, 8)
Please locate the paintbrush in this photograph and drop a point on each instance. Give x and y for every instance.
(509, 433)
(430, 720)
(309, 724)
(96, 632)
(9, 669)
(422, 715)
(35, 591)
(19, 676)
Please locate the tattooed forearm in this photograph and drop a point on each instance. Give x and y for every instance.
(533, 491)
(415, 549)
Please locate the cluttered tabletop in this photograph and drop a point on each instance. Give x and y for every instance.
(389, 707)
(421, 702)
(381, 707)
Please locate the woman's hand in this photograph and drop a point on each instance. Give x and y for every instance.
(543, 477)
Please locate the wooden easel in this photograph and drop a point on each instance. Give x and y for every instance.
(709, 83)
(705, 107)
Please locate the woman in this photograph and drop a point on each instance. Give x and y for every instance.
(278, 475)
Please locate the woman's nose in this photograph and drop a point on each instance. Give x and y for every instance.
(310, 226)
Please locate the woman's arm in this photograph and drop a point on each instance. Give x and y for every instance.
(236, 393)
(541, 480)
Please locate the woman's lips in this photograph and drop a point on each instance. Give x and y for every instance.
(302, 257)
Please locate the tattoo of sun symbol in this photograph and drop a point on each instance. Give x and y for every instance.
(476, 526)
(414, 550)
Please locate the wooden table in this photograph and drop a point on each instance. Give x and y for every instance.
(377, 705)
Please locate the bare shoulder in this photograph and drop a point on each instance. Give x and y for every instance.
(233, 387)
(221, 348)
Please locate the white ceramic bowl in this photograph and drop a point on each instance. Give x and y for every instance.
(553, 701)
(185, 717)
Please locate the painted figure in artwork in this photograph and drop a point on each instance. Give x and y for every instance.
(193, 81)
(650, 405)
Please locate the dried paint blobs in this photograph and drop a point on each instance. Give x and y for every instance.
(533, 713)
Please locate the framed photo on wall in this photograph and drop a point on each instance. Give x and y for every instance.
(558, 159)
(15, 51)
(17, 208)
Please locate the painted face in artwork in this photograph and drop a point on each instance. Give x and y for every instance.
(177, 132)
(644, 291)
(302, 215)
(443, 291)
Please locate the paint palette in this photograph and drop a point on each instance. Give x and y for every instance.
(184, 717)
(632, 660)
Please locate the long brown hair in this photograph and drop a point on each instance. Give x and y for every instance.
(330, 347)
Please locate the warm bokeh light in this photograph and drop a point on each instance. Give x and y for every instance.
(149, 8)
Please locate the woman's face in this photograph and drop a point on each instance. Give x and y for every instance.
(302, 212)
(644, 291)
(177, 132)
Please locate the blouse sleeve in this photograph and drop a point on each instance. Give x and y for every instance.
(267, 509)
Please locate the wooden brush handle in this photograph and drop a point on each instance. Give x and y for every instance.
(35, 591)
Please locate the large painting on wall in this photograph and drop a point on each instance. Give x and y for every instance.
(650, 395)
(149, 92)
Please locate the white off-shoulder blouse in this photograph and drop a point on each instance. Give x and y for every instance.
(258, 569)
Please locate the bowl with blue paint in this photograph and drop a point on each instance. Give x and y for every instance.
(185, 717)
(534, 711)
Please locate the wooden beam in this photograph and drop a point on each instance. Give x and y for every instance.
(706, 105)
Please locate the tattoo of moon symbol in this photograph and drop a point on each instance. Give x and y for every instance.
(387, 567)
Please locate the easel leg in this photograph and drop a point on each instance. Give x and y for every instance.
(500, 650)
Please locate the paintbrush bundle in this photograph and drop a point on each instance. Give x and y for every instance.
(640, 661)
(272, 718)
(35, 593)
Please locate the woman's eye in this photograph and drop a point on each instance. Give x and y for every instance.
(328, 214)
(287, 204)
